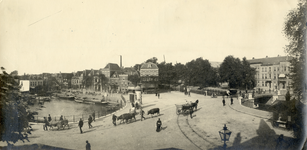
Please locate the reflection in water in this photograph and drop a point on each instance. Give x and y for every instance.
(57, 107)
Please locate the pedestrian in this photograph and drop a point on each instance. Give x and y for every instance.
(191, 112)
(61, 118)
(81, 125)
(90, 120)
(88, 145)
(231, 100)
(46, 124)
(93, 116)
(142, 115)
(49, 118)
(114, 119)
(223, 101)
(158, 125)
(158, 95)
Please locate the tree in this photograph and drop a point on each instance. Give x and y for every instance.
(248, 74)
(166, 73)
(295, 32)
(230, 71)
(153, 60)
(134, 79)
(102, 79)
(13, 114)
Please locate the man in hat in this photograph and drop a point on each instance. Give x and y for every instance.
(158, 125)
(88, 145)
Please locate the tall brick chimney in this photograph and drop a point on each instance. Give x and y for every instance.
(120, 61)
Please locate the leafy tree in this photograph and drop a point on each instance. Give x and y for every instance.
(13, 114)
(295, 31)
(199, 72)
(134, 79)
(248, 74)
(230, 71)
(153, 60)
(166, 73)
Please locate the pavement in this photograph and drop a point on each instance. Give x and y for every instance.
(250, 128)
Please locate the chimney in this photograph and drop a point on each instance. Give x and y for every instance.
(120, 61)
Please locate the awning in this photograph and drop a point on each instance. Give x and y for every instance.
(282, 76)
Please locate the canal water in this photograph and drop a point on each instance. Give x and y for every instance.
(68, 108)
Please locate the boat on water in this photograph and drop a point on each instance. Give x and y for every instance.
(79, 100)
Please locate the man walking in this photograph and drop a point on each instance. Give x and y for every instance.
(88, 145)
(191, 112)
(90, 120)
(231, 100)
(81, 125)
(61, 118)
(46, 123)
(223, 101)
(142, 114)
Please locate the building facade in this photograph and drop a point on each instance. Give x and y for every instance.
(149, 73)
(272, 73)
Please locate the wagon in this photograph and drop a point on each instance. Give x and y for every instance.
(182, 108)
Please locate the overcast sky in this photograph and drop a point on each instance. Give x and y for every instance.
(39, 36)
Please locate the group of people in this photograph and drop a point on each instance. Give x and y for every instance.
(224, 102)
(91, 118)
(48, 120)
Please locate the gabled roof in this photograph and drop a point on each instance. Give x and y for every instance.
(67, 75)
(270, 60)
(149, 65)
(111, 66)
(79, 73)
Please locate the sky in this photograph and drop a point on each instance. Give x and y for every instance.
(55, 36)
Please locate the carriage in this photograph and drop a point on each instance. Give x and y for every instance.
(183, 108)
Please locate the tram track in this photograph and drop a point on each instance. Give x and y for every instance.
(192, 135)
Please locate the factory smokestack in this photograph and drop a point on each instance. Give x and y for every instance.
(120, 61)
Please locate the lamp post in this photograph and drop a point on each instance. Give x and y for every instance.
(225, 135)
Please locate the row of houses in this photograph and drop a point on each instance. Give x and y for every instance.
(115, 77)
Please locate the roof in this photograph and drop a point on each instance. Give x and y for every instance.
(112, 66)
(149, 65)
(270, 60)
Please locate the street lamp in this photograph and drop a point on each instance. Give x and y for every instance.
(225, 135)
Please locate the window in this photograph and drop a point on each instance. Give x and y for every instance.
(262, 76)
(262, 83)
(269, 76)
(265, 69)
(265, 76)
(285, 68)
(262, 69)
(269, 69)
(274, 68)
(274, 76)
(277, 68)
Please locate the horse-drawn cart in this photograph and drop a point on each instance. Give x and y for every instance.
(183, 108)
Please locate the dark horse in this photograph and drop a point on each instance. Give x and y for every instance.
(190, 106)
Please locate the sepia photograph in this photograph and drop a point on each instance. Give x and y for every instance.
(153, 75)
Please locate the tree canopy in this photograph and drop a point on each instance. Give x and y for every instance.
(295, 32)
(13, 111)
(238, 74)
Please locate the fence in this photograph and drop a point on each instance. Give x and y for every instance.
(84, 116)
